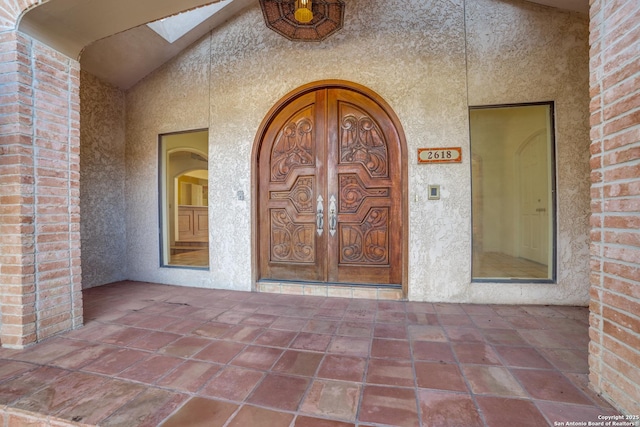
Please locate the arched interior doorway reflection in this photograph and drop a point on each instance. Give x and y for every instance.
(184, 189)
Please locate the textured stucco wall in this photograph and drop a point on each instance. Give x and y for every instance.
(429, 72)
(102, 166)
(175, 98)
(544, 57)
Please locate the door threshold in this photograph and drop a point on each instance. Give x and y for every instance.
(339, 290)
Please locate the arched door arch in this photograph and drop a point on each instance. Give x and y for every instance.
(329, 170)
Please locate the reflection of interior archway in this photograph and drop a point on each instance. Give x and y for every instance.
(189, 189)
(189, 226)
(187, 184)
(511, 192)
(185, 188)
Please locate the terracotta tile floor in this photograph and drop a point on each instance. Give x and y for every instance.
(159, 355)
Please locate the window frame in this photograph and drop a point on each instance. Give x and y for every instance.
(162, 163)
(553, 187)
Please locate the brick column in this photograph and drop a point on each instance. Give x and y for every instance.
(56, 140)
(40, 286)
(614, 358)
(17, 211)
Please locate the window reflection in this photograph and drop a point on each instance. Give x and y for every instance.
(184, 188)
(512, 199)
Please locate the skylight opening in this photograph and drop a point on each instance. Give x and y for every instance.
(174, 27)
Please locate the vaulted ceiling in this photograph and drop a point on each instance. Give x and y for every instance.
(111, 41)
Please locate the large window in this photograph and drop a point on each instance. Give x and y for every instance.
(513, 181)
(184, 212)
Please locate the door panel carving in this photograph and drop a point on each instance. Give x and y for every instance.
(366, 243)
(369, 185)
(288, 187)
(353, 192)
(290, 241)
(294, 146)
(361, 141)
(300, 195)
(330, 190)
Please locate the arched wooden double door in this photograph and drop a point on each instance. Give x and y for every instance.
(330, 187)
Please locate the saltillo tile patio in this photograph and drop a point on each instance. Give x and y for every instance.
(153, 354)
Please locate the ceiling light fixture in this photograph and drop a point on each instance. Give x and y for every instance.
(303, 13)
(283, 16)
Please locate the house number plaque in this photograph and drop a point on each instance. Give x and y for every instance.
(440, 155)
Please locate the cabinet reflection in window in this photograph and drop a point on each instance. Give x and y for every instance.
(184, 189)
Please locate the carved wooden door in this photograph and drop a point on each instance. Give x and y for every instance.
(330, 191)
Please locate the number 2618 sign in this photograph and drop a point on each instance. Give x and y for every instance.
(440, 155)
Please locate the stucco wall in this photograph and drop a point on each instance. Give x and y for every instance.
(429, 65)
(175, 98)
(544, 57)
(102, 164)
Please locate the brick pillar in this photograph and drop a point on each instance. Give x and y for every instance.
(17, 211)
(614, 358)
(40, 286)
(56, 140)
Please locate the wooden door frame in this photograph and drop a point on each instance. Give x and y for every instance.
(255, 177)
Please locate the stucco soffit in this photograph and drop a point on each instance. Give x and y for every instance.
(70, 25)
